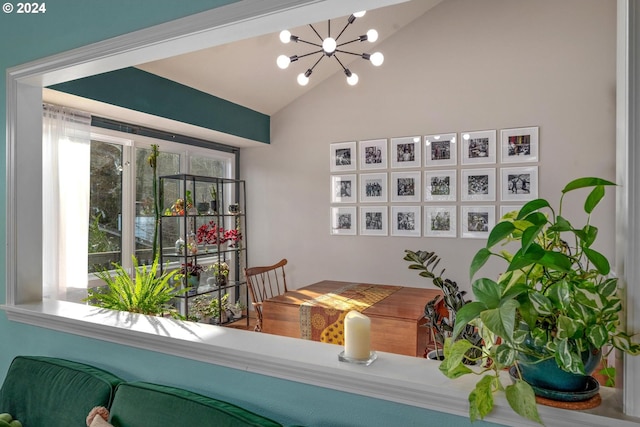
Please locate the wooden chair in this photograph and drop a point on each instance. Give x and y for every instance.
(264, 283)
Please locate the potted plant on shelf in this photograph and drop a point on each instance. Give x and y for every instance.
(234, 236)
(440, 312)
(220, 270)
(145, 292)
(211, 234)
(219, 308)
(553, 310)
(200, 309)
(191, 271)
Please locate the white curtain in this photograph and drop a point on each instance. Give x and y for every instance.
(66, 139)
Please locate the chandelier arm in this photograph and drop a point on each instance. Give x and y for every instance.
(349, 42)
(311, 43)
(317, 62)
(310, 53)
(349, 53)
(317, 33)
(345, 27)
(339, 62)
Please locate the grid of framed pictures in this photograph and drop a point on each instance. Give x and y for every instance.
(414, 186)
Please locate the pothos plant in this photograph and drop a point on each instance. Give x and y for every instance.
(556, 291)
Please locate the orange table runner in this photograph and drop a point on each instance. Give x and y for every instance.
(322, 318)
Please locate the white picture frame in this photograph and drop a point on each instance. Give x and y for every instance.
(476, 222)
(373, 154)
(478, 185)
(406, 221)
(519, 145)
(374, 221)
(406, 152)
(405, 186)
(342, 156)
(505, 209)
(373, 187)
(441, 150)
(440, 221)
(343, 221)
(519, 184)
(344, 188)
(440, 185)
(478, 147)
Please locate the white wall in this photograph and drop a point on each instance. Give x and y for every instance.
(465, 65)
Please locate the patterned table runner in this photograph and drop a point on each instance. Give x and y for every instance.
(322, 318)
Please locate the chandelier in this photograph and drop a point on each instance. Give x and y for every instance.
(330, 48)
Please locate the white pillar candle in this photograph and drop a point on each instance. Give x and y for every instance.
(357, 335)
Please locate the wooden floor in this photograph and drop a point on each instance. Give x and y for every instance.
(242, 323)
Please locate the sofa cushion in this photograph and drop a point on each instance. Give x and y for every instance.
(141, 404)
(51, 392)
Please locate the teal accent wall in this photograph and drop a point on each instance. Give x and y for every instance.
(68, 24)
(142, 91)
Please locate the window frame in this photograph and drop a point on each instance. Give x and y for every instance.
(400, 379)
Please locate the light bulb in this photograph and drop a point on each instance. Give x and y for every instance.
(302, 79)
(283, 61)
(377, 59)
(360, 14)
(372, 35)
(352, 79)
(329, 45)
(285, 36)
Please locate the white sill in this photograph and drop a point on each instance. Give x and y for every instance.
(407, 380)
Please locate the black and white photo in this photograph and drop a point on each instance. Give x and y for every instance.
(440, 221)
(406, 221)
(478, 184)
(405, 152)
(478, 147)
(343, 220)
(441, 150)
(373, 154)
(440, 185)
(342, 156)
(373, 188)
(343, 188)
(405, 186)
(373, 221)
(477, 221)
(519, 183)
(519, 145)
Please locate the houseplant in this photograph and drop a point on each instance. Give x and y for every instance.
(555, 303)
(440, 312)
(220, 270)
(192, 272)
(145, 293)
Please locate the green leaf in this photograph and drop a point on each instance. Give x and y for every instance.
(567, 327)
(487, 292)
(585, 182)
(452, 365)
(541, 303)
(501, 320)
(521, 259)
(587, 235)
(529, 236)
(501, 231)
(568, 359)
(556, 261)
(478, 261)
(537, 218)
(597, 335)
(561, 225)
(522, 400)
(505, 355)
(599, 261)
(481, 398)
(466, 314)
(532, 206)
(593, 199)
(608, 288)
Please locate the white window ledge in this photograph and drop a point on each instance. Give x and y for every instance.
(408, 380)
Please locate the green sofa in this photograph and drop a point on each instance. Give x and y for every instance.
(51, 392)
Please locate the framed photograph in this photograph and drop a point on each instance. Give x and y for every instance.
(505, 209)
(478, 147)
(405, 152)
(440, 150)
(440, 186)
(343, 220)
(373, 187)
(342, 156)
(477, 221)
(440, 221)
(373, 154)
(478, 185)
(374, 221)
(405, 221)
(519, 184)
(519, 145)
(405, 186)
(343, 188)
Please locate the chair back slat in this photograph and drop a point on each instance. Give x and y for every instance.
(265, 282)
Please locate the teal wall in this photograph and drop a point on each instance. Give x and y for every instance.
(142, 91)
(72, 23)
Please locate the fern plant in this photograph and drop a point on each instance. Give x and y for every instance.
(144, 293)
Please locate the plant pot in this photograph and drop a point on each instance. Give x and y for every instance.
(548, 375)
(435, 355)
(193, 282)
(221, 280)
(203, 207)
